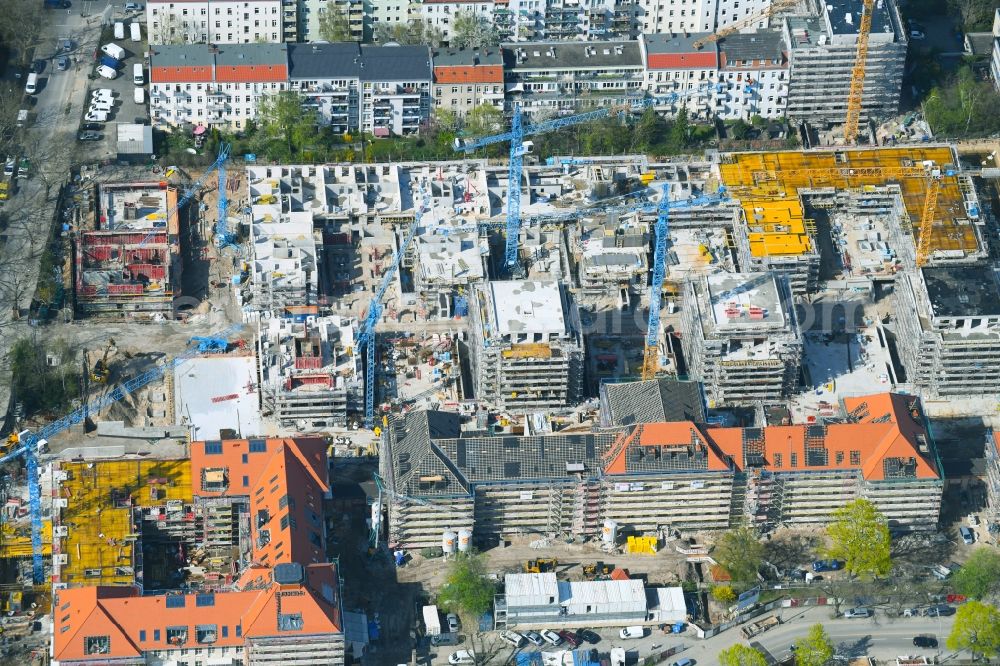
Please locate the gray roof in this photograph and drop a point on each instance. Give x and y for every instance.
(361, 61)
(761, 45)
(840, 9)
(251, 54)
(981, 43)
(571, 55)
(652, 401)
(658, 43)
(180, 55)
(467, 57)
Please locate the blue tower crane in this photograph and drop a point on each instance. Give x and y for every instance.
(223, 237)
(196, 186)
(31, 444)
(366, 336)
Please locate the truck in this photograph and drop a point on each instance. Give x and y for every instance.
(432, 621)
(760, 626)
(108, 61)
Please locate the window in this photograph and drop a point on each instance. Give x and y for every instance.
(225, 631)
(283, 501)
(239, 630)
(258, 446)
(206, 599)
(246, 458)
(284, 521)
(855, 457)
(206, 633)
(97, 644)
(142, 635)
(289, 621)
(777, 459)
(246, 481)
(156, 634)
(177, 635)
(212, 448)
(839, 457)
(795, 459)
(175, 601)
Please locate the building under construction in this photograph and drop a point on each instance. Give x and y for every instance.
(741, 337)
(527, 352)
(947, 329)
(310, 376)
(127, 261)
(441, 480)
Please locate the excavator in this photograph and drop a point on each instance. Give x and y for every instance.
(101, 369)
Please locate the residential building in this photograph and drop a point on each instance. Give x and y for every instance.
(467, 78)
(382, 90)
(285, 604)
(357, 14)
(742, 338)
(650, 401)
(540, 601)
(220, 21)
(654, 478)
(947, 329)
(204, 84)
(992, 449)
(683, 73)
(822, 52)
(441, 14)
(995, 56)
(564, 76)
(309, 376)
(686, 16)
(527, 352)
(754, 70)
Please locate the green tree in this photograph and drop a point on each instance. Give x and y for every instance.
(415, 31)
(650, 131)
(467, 589)
(281, 118)
(963, 107)
(333, 24)
(473, 31)
(741, 655)
(976, 629)
(976, 14)
(980, 575)
(723, 594)
(740, 552)
(677, 139)
(859, 535)
(38, 385)
(740, 129)
(484, 119)
(816, 649)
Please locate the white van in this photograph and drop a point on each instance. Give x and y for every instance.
(107, 72)
(135, 33)
(119, 30)
(137, 76)
(22, 117)
(113, 50)
(632, 632)
(139, 95)
(462, 657)
(32, 86)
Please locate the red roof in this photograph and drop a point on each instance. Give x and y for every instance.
(468, 74)
(704, 60)
(197, 74)
(251, 73)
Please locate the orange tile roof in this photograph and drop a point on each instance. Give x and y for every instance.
(468, 74)
(244, 462)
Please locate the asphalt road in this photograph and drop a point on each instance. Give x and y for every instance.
(48, 141)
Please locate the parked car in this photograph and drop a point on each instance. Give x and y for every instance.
(92, 127)
(24, 168)
(462, 657)
(917, 35)
(10, 166)
(512, 638)
(133, 7)
(683, 662)
(551, 637)
(911, 612)
(940, 610)
(107, 72)
(827, 565)
(572, 639)
(588, 636)
(452, 622)
(62, 63)
(534, 638)
(102, 92)
(445, 639)
(96, 116)
(973, 519)
(924, 641)
(968, 536)
(858, 612)
(66, 44)
(632, 632)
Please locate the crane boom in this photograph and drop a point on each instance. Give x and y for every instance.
(775, 6)
(856, 92)
(222, 235)
(30, 443)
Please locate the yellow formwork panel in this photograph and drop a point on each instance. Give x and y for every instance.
(779, 176)
(98, 516)
(15, 542)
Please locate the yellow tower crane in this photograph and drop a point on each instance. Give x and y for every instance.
(774, 7)
(929, 171)
(858, 74)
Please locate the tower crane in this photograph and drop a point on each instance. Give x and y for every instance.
(223, 237)
(651, 354)
(857, 89)
(366, 336)
(30, 444)
(519, 148)
(773, 8)
(196, 186)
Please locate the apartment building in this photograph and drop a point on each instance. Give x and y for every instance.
(213, 85)
(992, 448)
(683, 71)
(753, 71)
(358, 14)
(654, 478)
(441, 14)
(822, 49)
(742, 338)
(309, 377)
(995, 53)
(382, 90)
(221, 21)
(467, 78)
(685, 16)
(947, 328)
(527, 352)
(284, 604)
(562, 76)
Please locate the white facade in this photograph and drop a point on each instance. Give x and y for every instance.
(442, 15)
(215, 21)
(699, 15)
(995, 56)
(753, 71)
(227, 104)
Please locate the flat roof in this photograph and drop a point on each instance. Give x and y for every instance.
(528, 306)
(211, 393)
(745, 299)
(845, 16)
(571, 55)
(963, 291)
